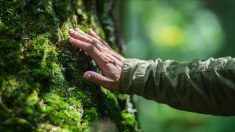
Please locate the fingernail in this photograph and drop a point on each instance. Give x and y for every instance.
(87, 76)
(70, 30)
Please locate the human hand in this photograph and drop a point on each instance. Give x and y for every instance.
(109, 62)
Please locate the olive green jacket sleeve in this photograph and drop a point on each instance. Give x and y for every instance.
(202, 86)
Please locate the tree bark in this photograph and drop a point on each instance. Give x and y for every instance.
(41, 83)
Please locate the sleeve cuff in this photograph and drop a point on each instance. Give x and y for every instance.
(132, 78)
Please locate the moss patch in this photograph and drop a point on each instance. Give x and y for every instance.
(41, 84)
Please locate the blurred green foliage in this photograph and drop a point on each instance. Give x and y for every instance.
(180, 30)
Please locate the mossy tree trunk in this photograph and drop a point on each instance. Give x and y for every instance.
(41, 83)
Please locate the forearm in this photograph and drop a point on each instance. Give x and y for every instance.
(199, 86)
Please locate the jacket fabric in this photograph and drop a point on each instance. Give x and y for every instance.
(202, 86)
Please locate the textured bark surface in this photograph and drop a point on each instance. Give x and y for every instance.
(41, 84)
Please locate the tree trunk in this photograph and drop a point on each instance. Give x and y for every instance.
(41, 83)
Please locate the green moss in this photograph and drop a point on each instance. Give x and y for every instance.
(128, 121)
(91, 114)
(41, 83)
(2, 26)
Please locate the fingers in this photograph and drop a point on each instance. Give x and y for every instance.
(93, 45)
(78, 43)
(79, 30)
(80, 36)
(90, 49)
(98, 79)
(118, 56)
(93, 34)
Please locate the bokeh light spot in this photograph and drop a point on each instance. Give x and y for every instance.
(169, 36)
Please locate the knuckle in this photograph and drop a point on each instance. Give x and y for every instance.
(95, 42)
(95, 77)
(89, 48)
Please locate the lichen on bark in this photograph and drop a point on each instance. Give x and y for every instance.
(41, 83)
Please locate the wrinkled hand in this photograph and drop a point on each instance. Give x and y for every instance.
(109, 62)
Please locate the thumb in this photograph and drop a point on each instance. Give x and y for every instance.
(98, 79)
